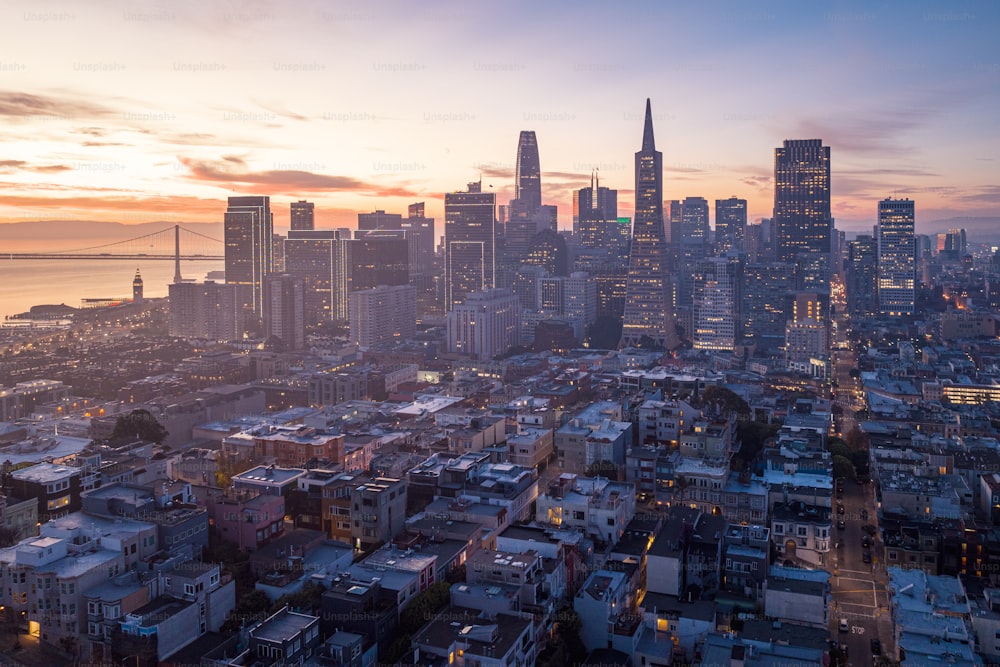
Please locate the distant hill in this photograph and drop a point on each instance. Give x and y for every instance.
(86, 229)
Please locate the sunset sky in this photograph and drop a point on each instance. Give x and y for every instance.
(141, 111)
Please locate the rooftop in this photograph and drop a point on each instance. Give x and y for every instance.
(283, 626)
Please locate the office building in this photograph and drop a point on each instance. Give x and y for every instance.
(486, 324)
(470, 238)
(730, 224)
(284, 310)
(766, 290)
(379, 220)
(802, 219)
(317, 257)
(862, 276)
(692, 247)
(383, 313)
(649, 317)
(302, 216)
(716, 282)
(896, 257)
(377, 257)
(248, 238)
(595, 216)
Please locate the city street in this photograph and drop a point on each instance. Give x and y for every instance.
(859, 588)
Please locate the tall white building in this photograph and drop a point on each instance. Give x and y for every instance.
(485, 325)
(896, 256)
(383, 313)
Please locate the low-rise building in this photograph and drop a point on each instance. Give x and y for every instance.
(601, 508)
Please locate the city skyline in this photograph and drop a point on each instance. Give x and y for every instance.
(354, 109)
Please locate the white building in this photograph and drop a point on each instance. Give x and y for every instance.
(485, 325)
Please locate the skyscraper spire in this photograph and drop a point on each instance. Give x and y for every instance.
(648, 144)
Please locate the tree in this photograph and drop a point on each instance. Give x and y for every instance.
(139, 424)
(843, 468)
(725, 401)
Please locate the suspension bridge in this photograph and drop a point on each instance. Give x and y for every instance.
(156, 245)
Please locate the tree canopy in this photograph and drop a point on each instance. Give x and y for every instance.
(139, 424)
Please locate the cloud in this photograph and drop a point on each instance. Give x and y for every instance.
(231, 170)
(21, 165)
(281, 111)
(887, 171)
(27, 106)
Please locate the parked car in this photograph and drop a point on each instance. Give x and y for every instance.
(864, 514)
(866, 557)
(840, 509)
(866, 541)
(841, 525)
(876, 646)
(843, 625)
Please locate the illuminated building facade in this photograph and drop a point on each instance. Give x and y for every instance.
(896, 257)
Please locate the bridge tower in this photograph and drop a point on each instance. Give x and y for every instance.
(177, 253)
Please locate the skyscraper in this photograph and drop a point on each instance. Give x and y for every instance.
(284, 310)
(528, 179)
(595, 216)
(302, 215)
(802, 219)
(715, 300)
(248, 232)
(862, 280)
(730, 224)
(692, 246)
(896, 256)
(317, 256)
(470, 243)
(648, 313)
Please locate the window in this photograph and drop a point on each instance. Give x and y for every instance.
(188, 589)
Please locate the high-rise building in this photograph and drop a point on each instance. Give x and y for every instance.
(378, 257)
(730, 224)
(383, 314)
(317, 257)
(470, 243)
(284, 311)
(716, 285)
(424, 273)
(862, 277)
(302, 215)
(802, 219)
(528, 179)
(248, 231)
(648, 313)
(765, 294)
(692, 246)
(485, 324)
(896, 257)
(208, 311)
(595, 216)
(379, 220)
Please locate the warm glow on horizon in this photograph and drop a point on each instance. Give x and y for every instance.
(361, 106)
